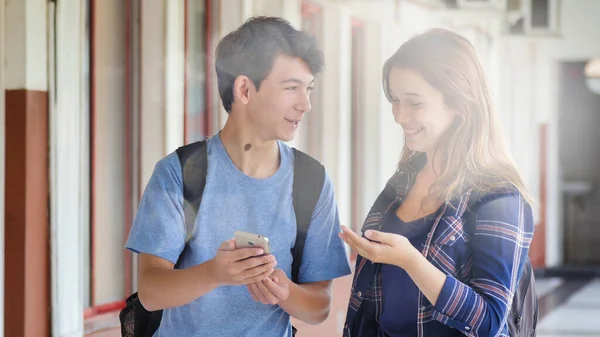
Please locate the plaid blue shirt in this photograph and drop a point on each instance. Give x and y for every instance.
(481, 251)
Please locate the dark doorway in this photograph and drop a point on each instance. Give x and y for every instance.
(579, 146)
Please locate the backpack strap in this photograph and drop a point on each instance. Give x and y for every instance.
(309, 177)
(193, 159)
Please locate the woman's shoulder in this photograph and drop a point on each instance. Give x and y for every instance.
(499, 190)
(504, 206)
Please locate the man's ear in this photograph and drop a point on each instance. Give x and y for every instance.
(241, 89)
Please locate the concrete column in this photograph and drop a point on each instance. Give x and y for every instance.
(152, 87)
(69, 164)
(174, 74)
(109, 143)
(232, 13)
(390, 138)
(336, 95)
(26, 287)
(291, 10)
(374, 108)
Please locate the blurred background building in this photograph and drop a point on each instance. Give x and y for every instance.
(94, 92)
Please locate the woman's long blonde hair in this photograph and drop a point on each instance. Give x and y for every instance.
(474, 155)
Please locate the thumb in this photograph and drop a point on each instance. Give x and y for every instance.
(378, 236)
(228, 245)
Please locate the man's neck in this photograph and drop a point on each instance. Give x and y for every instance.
(252, 155)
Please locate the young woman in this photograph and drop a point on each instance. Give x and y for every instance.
(445, 241)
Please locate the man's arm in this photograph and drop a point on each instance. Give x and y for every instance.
(324, 259)
(309, 302)
(158, 234)
(161, 286)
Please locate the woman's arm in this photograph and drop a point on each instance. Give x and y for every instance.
(503, 233)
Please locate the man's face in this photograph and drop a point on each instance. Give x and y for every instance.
(277, 108)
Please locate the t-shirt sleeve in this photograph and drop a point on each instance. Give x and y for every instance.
(324, 256)
(159, 225)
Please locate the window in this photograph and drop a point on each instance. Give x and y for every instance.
(540, 14)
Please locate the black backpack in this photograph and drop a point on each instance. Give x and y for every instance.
(309, 176)
(523, 316)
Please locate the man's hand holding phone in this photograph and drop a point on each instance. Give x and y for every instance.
(241, 266)
(273, 290)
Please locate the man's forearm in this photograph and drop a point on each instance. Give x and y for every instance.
(308, 302)
(161, 288)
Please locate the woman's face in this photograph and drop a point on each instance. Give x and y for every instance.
(419, 108)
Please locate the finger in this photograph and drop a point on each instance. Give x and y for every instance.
(271, 299)
(361, 245)
(275, 289)
(348, 235)
(258, 278)
(378, 236)
(351, 238)
(244, 253)
(257, 293)
(256, 261)
(251, 292)
(252, 273)
(227, 245)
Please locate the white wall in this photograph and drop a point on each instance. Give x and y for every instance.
(27, 54)
(580, 33)
(579, 30)
(336, 104)
(518, 106)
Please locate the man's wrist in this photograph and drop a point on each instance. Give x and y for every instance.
(292, 287)
(207, 272)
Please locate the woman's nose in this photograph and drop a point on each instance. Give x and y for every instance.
(401, 114)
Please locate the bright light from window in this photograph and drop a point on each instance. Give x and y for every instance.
(592, 74)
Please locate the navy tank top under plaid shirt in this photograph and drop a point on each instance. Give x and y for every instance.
(400, 293)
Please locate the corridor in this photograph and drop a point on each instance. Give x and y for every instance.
(568, 308)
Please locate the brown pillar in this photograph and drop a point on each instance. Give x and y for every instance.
(537, 251)
(27, 273)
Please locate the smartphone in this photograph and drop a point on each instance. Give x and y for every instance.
(249, 240)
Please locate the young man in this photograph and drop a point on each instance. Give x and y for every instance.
(265, 70)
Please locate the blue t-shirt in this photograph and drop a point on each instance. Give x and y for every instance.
(233, 201)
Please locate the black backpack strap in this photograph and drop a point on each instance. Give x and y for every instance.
(309, 177)
(194, 167)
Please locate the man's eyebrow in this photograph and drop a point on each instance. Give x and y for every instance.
(296, 80)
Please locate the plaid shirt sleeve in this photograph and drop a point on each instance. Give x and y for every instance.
(503, 233)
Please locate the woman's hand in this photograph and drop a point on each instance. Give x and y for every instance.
(385, 248)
